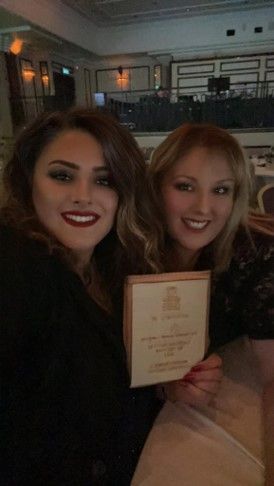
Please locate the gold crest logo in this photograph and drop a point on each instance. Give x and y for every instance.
(171, 301)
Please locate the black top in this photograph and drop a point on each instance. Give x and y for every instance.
(242, 301)
(67, 414)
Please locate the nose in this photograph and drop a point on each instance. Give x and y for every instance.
(82, 192)
(203, 203)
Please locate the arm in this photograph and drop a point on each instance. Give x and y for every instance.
(200, 385)
(258, 316)
(264, 351)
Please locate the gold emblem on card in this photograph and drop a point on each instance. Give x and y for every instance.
(171, 301)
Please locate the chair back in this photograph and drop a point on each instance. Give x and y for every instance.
(265, 198)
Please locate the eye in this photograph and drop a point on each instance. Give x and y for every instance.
(61, 176)
(223, 190)
(184, 186)
(105, 181)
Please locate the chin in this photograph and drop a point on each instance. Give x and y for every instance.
(192, 247)
(76, 248)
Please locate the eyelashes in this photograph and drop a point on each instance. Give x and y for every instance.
(106, 181)
(184, 186)
(223, 190)
(61, 175)
(219, 190)
(64, 176)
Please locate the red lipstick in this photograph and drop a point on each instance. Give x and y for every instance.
(81, 219)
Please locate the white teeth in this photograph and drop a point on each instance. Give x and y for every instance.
(80, 219)
(196, 224)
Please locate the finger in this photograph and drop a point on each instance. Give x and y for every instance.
(201, 388)
(191, 394)
(214, 374)
(194, 395)
(213, 361)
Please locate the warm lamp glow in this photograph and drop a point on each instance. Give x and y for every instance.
(28, 73)
(123, 80)
(16, 46)
(45, 80)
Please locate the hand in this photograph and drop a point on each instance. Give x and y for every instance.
(199, 386)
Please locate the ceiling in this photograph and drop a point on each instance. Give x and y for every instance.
(106, 13)
(12, 26)
(117, 12)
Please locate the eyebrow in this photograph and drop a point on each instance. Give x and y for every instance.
(228, 179)
(72, 165)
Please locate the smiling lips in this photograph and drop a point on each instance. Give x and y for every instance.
(195, 224)
(80, 218)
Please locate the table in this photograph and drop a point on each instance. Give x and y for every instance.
(218, 445)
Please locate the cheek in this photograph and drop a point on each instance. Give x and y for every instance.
(115, 201)
(228, 208)
(225, 211)
(169, 201)
(44, 199)
(175, 204)
(38, 197)
(112, 203)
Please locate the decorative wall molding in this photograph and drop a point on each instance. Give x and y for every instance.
(244, 73)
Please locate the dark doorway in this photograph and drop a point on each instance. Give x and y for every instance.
(64, 93)
(17, 107)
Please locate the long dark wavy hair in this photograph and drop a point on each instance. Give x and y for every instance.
(129, 247)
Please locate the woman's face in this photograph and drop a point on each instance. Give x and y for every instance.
(197, 195)
(72, 192)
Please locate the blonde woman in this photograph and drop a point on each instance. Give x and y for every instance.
(201, 186)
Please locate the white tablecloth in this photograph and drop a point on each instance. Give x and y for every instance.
(220, 445)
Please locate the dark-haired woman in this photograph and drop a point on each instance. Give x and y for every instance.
(69, 233)
(74, 222)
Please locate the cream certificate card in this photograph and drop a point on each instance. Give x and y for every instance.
(165, 325)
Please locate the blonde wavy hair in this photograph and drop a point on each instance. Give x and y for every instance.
(217, 140)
